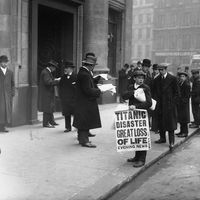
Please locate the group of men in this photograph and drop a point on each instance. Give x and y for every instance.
(78, 94)
(172, 95)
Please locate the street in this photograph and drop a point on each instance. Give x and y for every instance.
(177, 176)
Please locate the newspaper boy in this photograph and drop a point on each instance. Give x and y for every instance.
(138, 100)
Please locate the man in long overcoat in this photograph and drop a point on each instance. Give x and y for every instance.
(7, 91)
(67, 93)
(195, 98)
(123, 81)
(166, 93)
(183, 104)
(47, 94)
(86, 115)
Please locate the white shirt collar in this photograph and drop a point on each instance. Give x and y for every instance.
(136, 85)
(88, 70)
(165, 75)
(48, 69)
(4, 70)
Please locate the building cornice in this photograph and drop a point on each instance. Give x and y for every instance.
(118, 5)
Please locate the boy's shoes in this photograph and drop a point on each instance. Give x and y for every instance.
(138, 164)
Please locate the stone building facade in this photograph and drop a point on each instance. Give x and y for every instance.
(176, 31)
(33, 31)
(142, 30)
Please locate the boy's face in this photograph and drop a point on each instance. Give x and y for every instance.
(182, 77)
(139, 79)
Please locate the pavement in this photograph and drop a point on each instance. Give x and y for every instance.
(38, 163)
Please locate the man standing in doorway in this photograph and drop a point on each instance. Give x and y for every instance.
(47, 94)
(166, 93)
(7, 91)
(86, 115)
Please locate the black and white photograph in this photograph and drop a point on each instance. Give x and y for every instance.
(99, 99)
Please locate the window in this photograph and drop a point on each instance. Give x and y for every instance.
(140, 33)
(139, 51)
(140, 20)
(148, 17)
(148, 33)
(186, 41)
(147, 51)
(135, 2)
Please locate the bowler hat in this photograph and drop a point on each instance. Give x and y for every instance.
(53, 63)
(182, 73)
(155, 66)
(139, 73)
(139, 63)
(68, 64)
(90, 59)
(195, 71)
(146, 62)
(4, 58)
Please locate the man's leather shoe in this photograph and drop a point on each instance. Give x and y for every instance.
(160, 141)
(4, 131)
(54, 124)
(171, 146)
(178, 133)
(183, 135)
(67, 130)
(89, 145)
(91, 135)
(131, 160)
(138, 164)
(194, 126)
(49, 126)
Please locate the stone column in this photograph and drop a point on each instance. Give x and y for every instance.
(95, 31)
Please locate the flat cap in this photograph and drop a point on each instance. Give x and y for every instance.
(139, 73)
(195, 71)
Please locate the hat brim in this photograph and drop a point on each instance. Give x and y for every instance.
(182, 73)
(69, 66)
(89, 63)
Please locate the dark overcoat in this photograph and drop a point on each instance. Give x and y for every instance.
(166, 93)
(47, 91)
(122, 81)
(86, 115)
(183, 103)
(67, 93)
(7, 91)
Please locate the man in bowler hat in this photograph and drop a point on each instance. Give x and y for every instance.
(7, 91)
(86, 114)
(166, 93)
(47, 94)
(67, 91)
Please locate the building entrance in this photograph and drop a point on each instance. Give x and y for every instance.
(55, 37)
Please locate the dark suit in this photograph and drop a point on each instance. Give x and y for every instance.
(47, 96)
(86, 115)
(67, 86)
(166, 93)
(183, 106)
(195, 98)
(122, 82)
(139, 155)
(7, 91)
